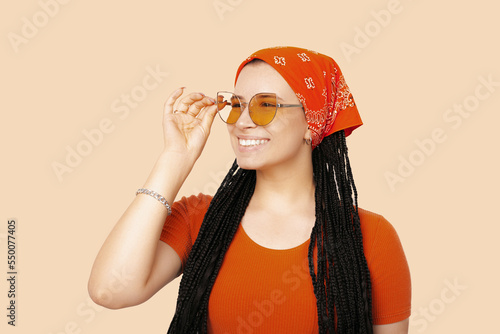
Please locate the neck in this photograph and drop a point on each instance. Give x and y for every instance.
(284, 189)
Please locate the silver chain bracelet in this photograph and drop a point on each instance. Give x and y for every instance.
(159, 197)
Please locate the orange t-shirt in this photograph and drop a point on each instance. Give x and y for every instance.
(262, 290)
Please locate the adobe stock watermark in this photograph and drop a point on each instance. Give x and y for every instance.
(211, 187)
(30, 26)
(3, 236)
(87, 310)
(425, 315)
(363, 36)
(292, 279)
(121, 108)
(453, 118)
(223, 6)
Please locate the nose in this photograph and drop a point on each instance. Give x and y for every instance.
(244, 121)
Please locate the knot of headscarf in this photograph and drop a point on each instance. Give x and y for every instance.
(320, 86)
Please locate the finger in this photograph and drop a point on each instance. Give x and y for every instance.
(221, 103)
(188, 100)
(168, 108)
(201, 114)
(196, 107)
(208, 117)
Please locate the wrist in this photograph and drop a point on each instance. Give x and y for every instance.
(183, 157)
(168, 174)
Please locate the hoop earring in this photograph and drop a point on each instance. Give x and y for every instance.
(308, 141)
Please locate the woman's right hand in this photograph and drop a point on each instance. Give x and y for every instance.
(151, 263)
(187, 127)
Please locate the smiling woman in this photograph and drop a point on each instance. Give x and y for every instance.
(282, 247)
(285, 123)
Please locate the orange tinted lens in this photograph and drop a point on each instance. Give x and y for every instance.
(263, 108)
(234, 114)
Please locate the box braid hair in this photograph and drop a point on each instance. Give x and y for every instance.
(341, 282)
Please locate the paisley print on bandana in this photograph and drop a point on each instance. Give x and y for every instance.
(319, 85)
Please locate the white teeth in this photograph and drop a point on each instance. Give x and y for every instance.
(252, 142)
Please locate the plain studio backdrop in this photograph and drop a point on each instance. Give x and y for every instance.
(82, 90)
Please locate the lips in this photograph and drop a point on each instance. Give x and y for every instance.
(251, 142)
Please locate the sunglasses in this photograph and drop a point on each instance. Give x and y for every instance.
(262, 107)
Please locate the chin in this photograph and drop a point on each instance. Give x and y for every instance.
(248, 160)
(246, 163)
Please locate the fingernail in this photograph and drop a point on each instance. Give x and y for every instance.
(213, 100)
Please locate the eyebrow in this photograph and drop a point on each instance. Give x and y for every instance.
(263, 94)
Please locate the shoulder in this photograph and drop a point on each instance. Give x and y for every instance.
(193, 203)
(389, 272)
(378, 233)
(192, 210)
(182, 226)
(192, 207)
(372, 223)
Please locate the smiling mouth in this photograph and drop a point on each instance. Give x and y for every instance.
(252, 142)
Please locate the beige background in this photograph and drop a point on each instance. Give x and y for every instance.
(65, 77)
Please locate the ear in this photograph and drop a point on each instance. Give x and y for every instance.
(308, 136)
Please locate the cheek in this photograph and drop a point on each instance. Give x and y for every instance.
(292, 129)
(230, 129)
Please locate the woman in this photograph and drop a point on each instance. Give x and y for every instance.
(282, 247)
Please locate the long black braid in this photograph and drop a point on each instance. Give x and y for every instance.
(343, 290)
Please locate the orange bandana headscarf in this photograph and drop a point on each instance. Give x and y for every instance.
(320, 86)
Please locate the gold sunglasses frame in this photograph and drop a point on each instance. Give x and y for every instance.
(278, 105)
